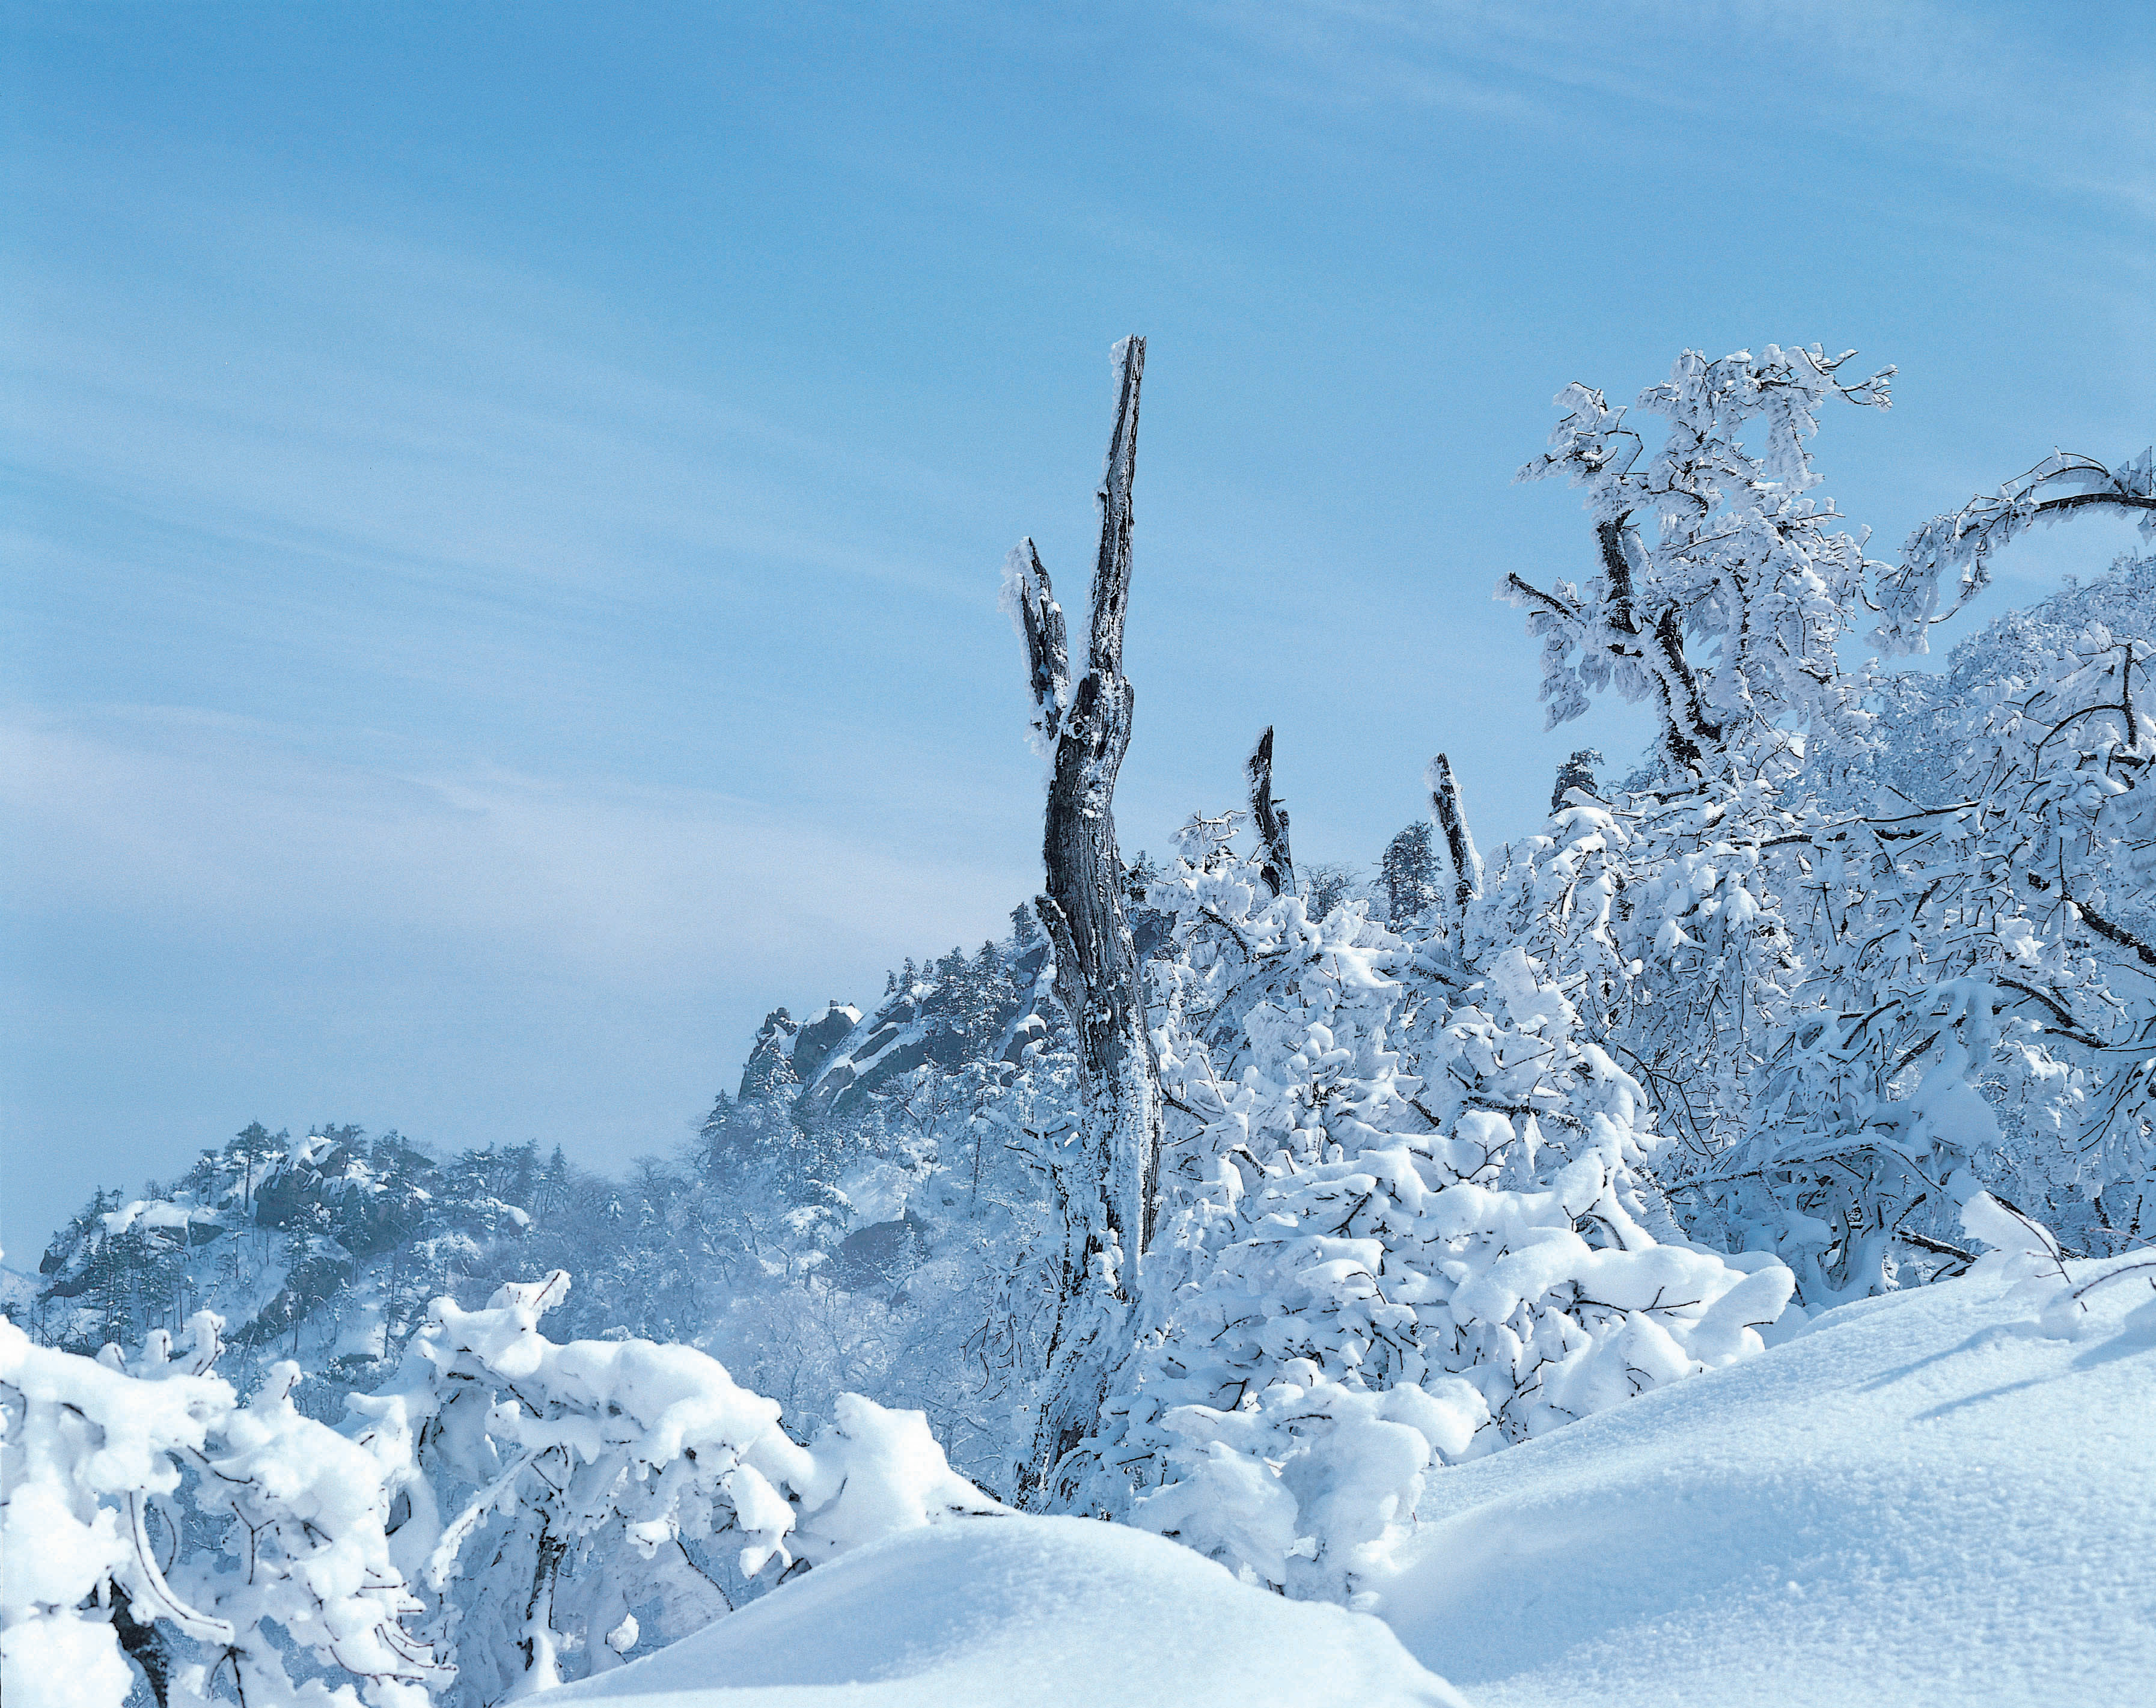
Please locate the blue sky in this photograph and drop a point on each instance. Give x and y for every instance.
(503, 504)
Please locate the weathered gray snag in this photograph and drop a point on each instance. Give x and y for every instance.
(1274, 865)
(1108, 1176)
(1460, 880)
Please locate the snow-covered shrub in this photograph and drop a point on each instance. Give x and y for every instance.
(564, 1503)
(1723, 586)
(547, 1507)
(2026, 1253)
(1983, 992)
(1661, 915)
(1411, 1227)
(223, 1546)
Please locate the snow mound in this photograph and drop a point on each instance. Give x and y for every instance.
(1024, 1612)
(1921, 1498)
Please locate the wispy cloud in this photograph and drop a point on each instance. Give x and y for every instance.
(2057, 98)
(418, 411)
(198, 824)
(209, 920)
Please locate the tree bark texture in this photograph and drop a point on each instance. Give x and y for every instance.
(1108, 1177)
(1275, 863)
(1689, 734)
(1460, 880)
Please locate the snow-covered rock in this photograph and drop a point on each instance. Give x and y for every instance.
(1921, 1498)
(1025, 1613)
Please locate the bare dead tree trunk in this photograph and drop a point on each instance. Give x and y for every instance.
(1274, 865)
(1109, 1174)
(1460, 880)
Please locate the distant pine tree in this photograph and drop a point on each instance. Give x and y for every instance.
(1408, 873)
(1576, 773)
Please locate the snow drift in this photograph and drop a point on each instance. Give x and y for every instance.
(1923, 1497)
(1025, 1613)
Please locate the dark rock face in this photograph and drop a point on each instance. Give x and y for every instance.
(880, 1255)
(1032, 1029)
(310, 1282)
(821, 1035)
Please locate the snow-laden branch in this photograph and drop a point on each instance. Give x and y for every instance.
(1962, 541)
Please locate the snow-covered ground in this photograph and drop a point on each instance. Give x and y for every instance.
(1024, 1612)
(1921, 1499)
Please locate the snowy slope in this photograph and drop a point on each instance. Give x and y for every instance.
(1023, 1612)
(1920, 1499)
(19, 1292)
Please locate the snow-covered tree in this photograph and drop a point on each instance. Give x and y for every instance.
(1850, 971)
(1725, 585)
(236, 1553)
(1407, 874)
(564, 1503)
(1725, 616)
(1410, 1225)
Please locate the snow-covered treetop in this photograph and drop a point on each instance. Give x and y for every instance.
(1727, 618)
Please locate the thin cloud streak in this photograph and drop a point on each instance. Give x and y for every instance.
(478, 956)
(530, 459)
(210, 823)
(1948, 80)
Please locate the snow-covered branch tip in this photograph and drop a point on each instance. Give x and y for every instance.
(2061, 486)
(1677, 525)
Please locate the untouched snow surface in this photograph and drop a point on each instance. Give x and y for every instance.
(1024, 1612)
(1919, 1499)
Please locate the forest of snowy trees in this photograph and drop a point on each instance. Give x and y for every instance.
(1234, 1201)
